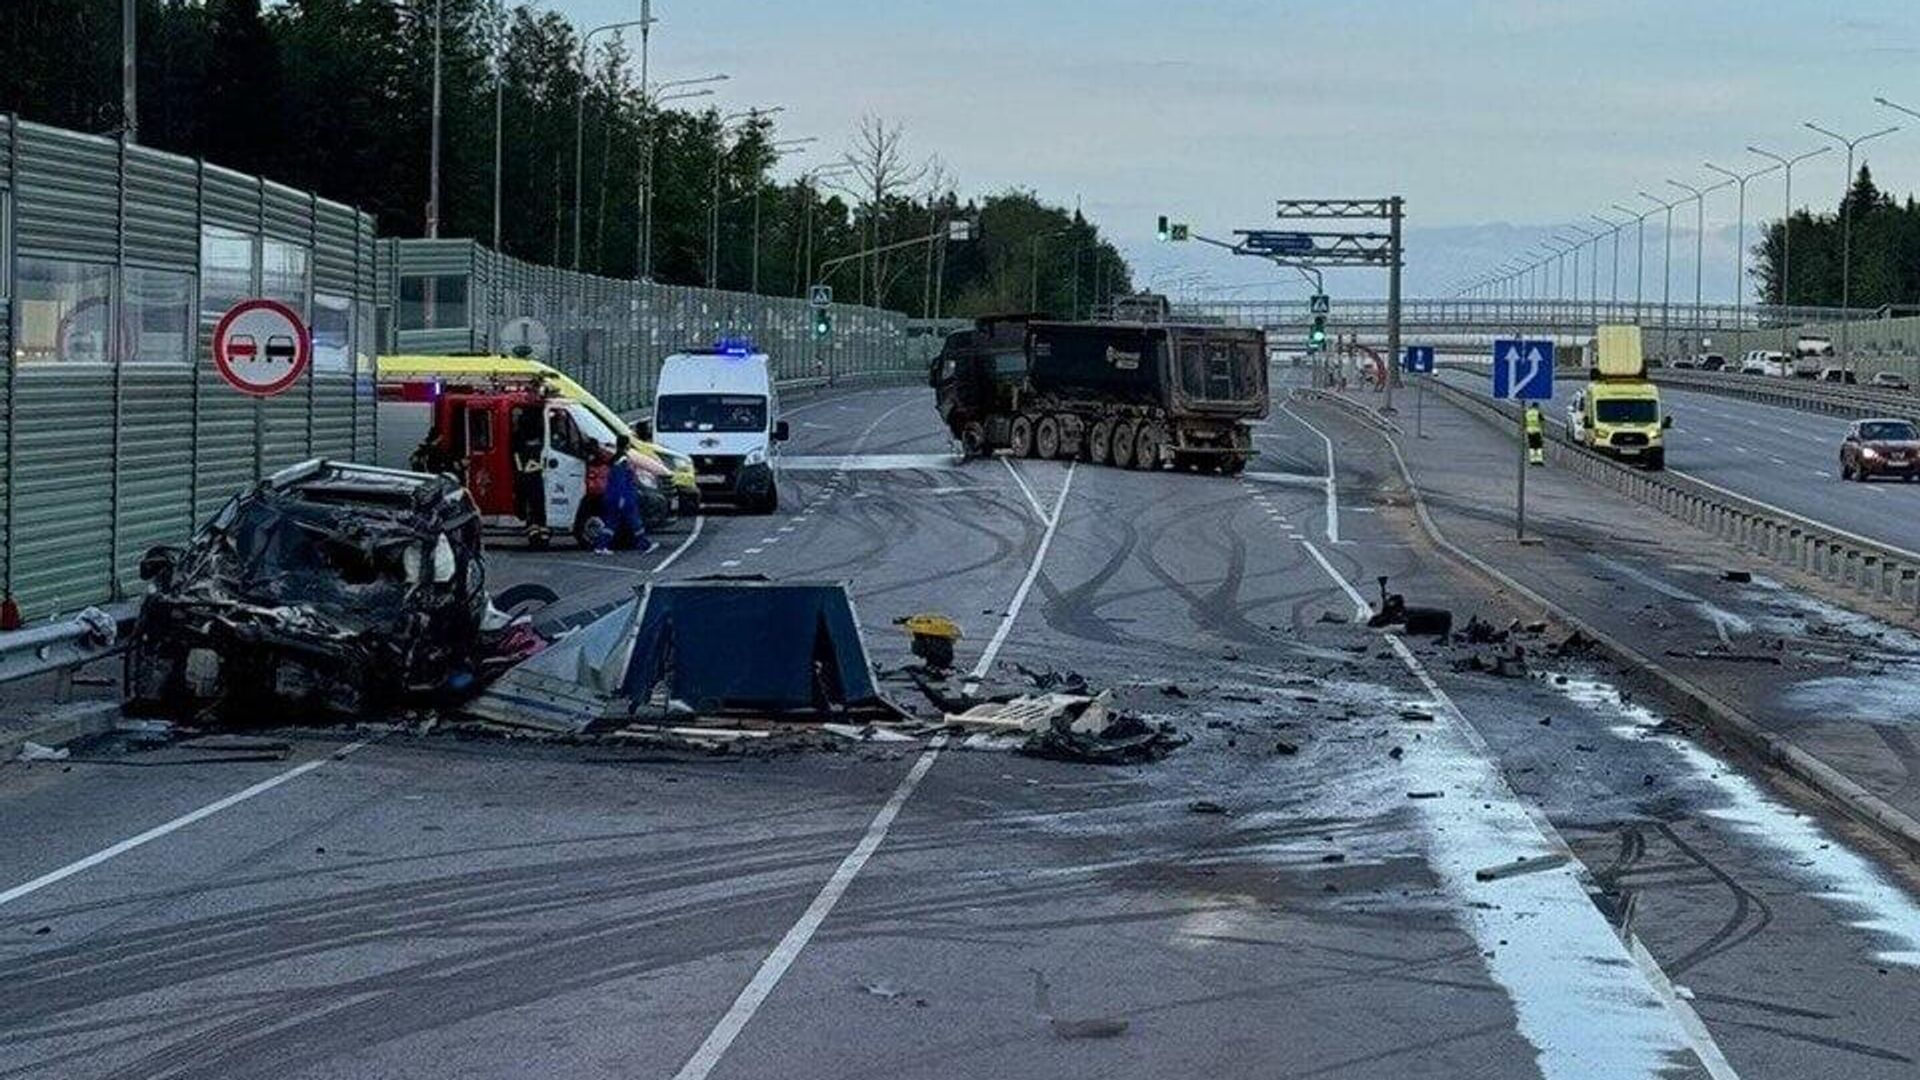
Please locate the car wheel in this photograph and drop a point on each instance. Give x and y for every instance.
(1099, 441)
(770, 502)
(1122, 449)
(1020, 436)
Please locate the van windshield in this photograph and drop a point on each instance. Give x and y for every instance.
(711, 412)
(1627, 411)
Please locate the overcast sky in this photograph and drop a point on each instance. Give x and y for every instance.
(1498, 120)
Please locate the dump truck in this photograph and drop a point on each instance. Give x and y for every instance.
(1138, 395)
(1619, 413)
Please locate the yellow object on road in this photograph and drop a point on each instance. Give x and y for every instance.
(933, 637)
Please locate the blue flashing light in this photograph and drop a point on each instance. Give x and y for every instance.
(734, 347)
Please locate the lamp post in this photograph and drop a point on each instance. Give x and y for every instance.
(1699, 196)
(433, 130)
(719, 161)
(1640, 255)
(1740, 244)
(809, 185)
(1846, 234)
(1614, 227)
(498, 28)
(784, 146)
(580, 125)
(651, 99)
(1786, 229)
(1666, 275)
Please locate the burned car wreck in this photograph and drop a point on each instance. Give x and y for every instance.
(330, 587)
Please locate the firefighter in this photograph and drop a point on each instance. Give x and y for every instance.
(1536, 436)
(529, 474)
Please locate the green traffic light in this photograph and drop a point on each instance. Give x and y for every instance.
(1163, 231)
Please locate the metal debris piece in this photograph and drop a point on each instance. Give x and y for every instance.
(1530, 865)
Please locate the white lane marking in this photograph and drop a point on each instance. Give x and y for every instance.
(1020, 595)
(775, 966)
(754, 550)
(181, 822)
(1823, 475)
(786, 528)
(729, 564)
(1777, 460)
(868, 462)
(699, 522)
(1333, 496)
(1698, 1038)
(1032, 499)
(1706, 438)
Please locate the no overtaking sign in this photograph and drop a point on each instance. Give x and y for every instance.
(261, 347)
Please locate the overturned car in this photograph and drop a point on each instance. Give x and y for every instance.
(335, 588)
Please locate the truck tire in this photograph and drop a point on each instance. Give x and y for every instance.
(973, 440)
(1147, 445)
(1046, 438)
(1020, 436)
(1122, 448)
(1100, 442)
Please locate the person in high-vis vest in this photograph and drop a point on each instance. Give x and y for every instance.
(1536, 436)
(529, 473)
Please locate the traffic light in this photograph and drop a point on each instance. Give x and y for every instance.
(1317, 337)
(822, 323)
(1163, 232)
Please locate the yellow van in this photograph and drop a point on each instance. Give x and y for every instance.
(513, 368)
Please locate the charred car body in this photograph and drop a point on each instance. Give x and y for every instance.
(328, 586)
(1138, 395)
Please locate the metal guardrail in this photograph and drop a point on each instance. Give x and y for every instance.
(58, 646)
(1853, 563)
(1809, 394)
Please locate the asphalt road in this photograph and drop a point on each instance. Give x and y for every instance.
(436, 907)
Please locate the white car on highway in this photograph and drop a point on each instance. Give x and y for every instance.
(1764, 362)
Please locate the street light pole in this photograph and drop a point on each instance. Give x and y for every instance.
(795, 146)
(129, 71)
(1846, 235)
(1640, 255)
(580, 125)
(433, 152)
(1699, 242)
(1740, 245)
(1613, 288)
(1666, 274)
(1786, 231)
(651, 99)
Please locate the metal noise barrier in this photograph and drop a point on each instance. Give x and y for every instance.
(1855, 564)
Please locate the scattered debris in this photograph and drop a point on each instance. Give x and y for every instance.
(1420, 715)
(1285, 748)
(869, 733)
(1069, 682)
(1575, 644)
(1529, 865)
(1537, 627)
(1425, 794)
(335, 586)
(1479, 632)
(932, 639)
(33, 751)
(1099, 1027)
(1334, 617)
(1205, 806)
(1174, 690)
(1125, 740)
(1739, 577)
(1397, 753)
(1718, 654)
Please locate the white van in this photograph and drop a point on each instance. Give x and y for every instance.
(720, 408)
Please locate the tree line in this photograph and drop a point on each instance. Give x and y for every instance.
(335, 96)
(1885, 251)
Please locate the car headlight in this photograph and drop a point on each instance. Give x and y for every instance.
(1869, 453)
(756, 456)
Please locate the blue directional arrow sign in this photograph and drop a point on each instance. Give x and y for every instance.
(1523, 370)
(1418, 360)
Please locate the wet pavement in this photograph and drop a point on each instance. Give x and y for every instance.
(1297, 892)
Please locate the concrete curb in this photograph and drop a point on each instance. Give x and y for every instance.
(81, 720)
(1846, 794)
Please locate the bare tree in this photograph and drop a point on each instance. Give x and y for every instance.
(879, 169)
(933, 192)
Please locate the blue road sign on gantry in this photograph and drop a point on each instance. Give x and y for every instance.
(1418, 360)
(1523, 370)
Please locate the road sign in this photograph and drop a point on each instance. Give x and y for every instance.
(1522, 370)
(820, 295)
(1278, 243)
(1418, 360)
(960, 230)
(261, 347)
(1179, 233)
(1321, 304)
(526, 337)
